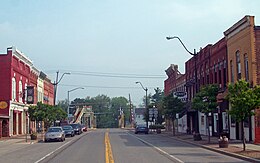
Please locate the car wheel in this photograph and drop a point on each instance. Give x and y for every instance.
(136, 132)
(146, 132)
(45, 140)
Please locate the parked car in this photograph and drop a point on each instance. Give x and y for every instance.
(77, 128)
(84, 128)
(141, 129)
(69, 131)
(54, 133)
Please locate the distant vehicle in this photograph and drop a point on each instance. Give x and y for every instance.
(141, 129)
(54, 133)
(69, 131)
(84, 128)
(77, 128)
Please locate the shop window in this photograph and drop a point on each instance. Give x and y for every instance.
(202, 120)
(233, 122)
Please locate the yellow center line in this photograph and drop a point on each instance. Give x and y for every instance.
(108, 149)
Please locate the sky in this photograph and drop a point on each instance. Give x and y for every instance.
(108, 45)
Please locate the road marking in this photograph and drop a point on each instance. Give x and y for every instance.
(157, 148)
(44, 157)
(108, 150)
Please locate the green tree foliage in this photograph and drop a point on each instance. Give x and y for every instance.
(205, 101)
(244, 99)
(46, 113)
(172, 106)
(105, 108)
(157, 101)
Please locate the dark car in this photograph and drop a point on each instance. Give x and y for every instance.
(69, 131)
(141, 129)
(77, 128)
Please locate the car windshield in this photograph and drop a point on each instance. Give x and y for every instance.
(66, 127)
(54, 130)
(74, 125)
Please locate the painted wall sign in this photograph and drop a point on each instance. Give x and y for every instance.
(3, 105)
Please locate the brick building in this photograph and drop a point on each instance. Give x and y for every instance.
(208, 66)
(175, 85)
(17, 73)
(243, 59)
(14, 71)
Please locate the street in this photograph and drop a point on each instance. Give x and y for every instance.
(126, 147)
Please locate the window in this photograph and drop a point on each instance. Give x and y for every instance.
(25, 89)
(20, 91)
(238, 65)
(246, 67)
(202, 120)
(13, 89)
(232, 71)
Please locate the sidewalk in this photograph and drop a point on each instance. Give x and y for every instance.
(235, 148)
(20, 139)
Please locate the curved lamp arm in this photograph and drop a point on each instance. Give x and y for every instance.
(169, 38)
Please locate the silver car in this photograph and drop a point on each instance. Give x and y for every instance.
(54, 133)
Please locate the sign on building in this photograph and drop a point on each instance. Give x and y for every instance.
(180, 95)
(30, 94)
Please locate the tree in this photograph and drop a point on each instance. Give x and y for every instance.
(205, 101)
(46, 113)
(157, 101)
(118, 103)
(172, 106)
(244, 99)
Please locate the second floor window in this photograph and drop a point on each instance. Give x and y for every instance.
(20, 91)
(13, 89)
(246, 67)
(232, 71)
(238, 65)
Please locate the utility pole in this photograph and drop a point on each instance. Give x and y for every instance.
(130, 109)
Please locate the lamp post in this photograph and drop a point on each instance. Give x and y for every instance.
(146, 109)
(56, 85)
(69, 99)
(194, 54)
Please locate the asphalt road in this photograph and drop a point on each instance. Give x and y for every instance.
(126, 147)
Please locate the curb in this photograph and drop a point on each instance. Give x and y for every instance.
(249, 159)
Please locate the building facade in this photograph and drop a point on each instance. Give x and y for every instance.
(17, 73)
(243, 59)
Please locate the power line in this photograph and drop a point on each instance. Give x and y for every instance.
(113, 75)
(110, 87)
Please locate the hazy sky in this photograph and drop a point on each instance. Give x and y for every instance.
(97, 40)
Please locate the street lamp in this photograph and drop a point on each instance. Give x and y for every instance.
(146, 109)
(194, 54)
(56, 85)
(69, 98)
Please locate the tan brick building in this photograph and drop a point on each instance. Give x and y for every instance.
(243, 62)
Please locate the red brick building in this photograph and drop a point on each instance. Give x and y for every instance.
(209, 66)
(17, 73)
(14, 78)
